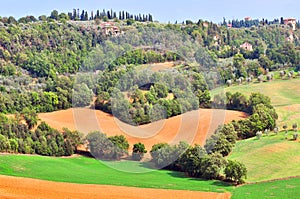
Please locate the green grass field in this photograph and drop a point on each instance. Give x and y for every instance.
(271, 157)
(84, 170)
(284, 94)
(276, 189)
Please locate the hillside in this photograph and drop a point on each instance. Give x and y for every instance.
(271, 157)
(59, 44)
(193, 127)
(138, 95)
(284, 94)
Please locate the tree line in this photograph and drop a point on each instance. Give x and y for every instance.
(19, 137)
(262, 114)
(83, 15)
(80, 15)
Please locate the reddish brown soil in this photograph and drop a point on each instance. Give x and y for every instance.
(192, 127)
(22, 188)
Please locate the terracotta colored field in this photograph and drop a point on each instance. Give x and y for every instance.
(161, 66)
(192, 127)
(23, 188)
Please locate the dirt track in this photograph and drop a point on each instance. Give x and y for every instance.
(23, 188)
(192, 127)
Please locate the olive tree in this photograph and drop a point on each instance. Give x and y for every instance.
(258, 135)
(285, 128)
(276, 130)
(295, 127)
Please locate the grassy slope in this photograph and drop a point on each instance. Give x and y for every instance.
(271, 157)
(90, 171)
(276, 189)
(285, 96)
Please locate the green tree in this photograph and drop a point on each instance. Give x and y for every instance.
(82, 95)
(265, 62)
(99, 145)
(138, 151)
(258, 98)
(204, 98)
(239, 63)
(191, 160)
(4, 144)
(222, 141)
(14, 146)
(54, 15)
(30, 117)
(74, 138)
(212, 165)
(235, 171)
(161, 90)
(162, 155)
(263, 118)
(121, 146)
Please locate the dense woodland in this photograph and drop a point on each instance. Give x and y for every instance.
(19, 137)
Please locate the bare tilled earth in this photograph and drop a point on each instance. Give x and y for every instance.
(23, 188)
(192, 127)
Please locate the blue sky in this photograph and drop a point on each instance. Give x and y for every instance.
(162, 10)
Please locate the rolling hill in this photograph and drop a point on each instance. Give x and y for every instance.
(284, 94)
(192, 127)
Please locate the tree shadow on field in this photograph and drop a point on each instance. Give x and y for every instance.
(148, 165)
(177, 174)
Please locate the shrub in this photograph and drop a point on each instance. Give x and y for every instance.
(295, 136)
(138, 151)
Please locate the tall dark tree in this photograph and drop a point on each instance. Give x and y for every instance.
(281, 20)
(86, 16)
(123, 15)
(82, 16)
(74, 14)
(108, 15)
(54, 15)
(98, 14)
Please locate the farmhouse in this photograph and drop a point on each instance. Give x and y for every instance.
(205, 24)
(290, 21)
(247, 46)
(108, 28)
(248, 18)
